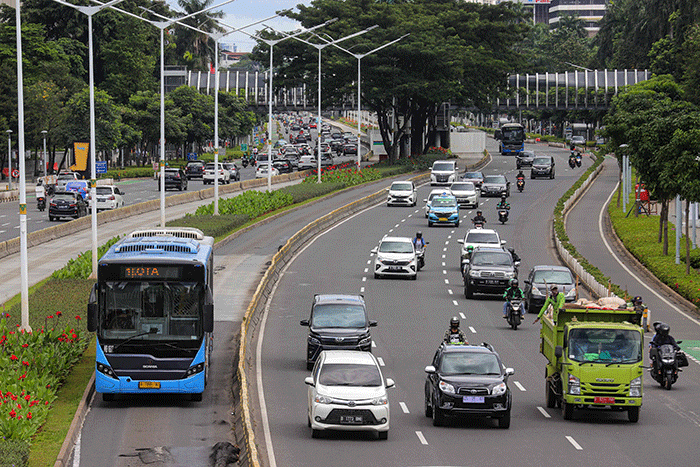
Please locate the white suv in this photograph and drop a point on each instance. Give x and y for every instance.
(403, 193)
(210, 173)
(108, 197)
(395, 256)
(443, 173)
(475, 238)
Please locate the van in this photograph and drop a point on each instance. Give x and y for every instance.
(443, 173)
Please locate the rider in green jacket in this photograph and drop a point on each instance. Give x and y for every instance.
(556, 299)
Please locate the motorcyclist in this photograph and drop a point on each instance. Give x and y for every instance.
(520, 176)
(479, 218)
(556, 299)
(419, 241)
(513, 254)
(513, 291)
(661, 337)
(40, 196)
(503, 204)
(454, 335)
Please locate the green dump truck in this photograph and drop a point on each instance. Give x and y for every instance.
(595, 360)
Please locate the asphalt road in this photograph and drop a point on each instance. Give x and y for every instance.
(412, 318)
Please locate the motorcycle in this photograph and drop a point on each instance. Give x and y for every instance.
(478, 224)
(572, 160)
(503, 215)
(420, 256)
(514, 312)
(41, 203)
(578, 159)
(244, 162)
(667, 361)
(521, 184)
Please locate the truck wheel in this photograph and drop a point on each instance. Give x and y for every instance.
(549, 395)
(504, 422)
(633, 414)
(567, 409)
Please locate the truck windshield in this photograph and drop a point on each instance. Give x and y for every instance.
(605, 345)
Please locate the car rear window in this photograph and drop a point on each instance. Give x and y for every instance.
(64, 196)
(339, 316)
(462, 187)
(482, 237)
(542, 160)
(469, 363)
(554, 277)
(104, 190)
(349, 374)
(494, 179)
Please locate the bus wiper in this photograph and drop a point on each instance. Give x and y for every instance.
(150, 331)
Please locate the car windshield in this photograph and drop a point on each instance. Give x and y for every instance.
(542, 160)
(66, 177)
(396, 247)
(443, 166)
(498, 179)
(211, 166)
(444, 203)
(482, 237)
(605, 345)
(483, 258)
(473, 175)
(462, 187)
(338, 316)
(104, 190)
(349, 374)
(469, 363)
(553, 277)
(401, 186)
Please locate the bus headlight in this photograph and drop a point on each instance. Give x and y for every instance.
(193, 370)
(105, 370)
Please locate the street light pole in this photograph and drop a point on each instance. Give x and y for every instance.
(9, 160)
(43, 132)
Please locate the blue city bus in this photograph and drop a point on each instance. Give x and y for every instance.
(512, 138)
(152, 309)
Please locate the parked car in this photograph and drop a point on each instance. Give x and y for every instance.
(395, 256)
(174, 178)
(488, 270)
(541, 278)
(477, 178)
(402, 193)
(194, 169)
(543, 166)
(108, 197)
(468, 381)
(211, 173)
(524, 159)
(261, 171)
(466, 193)
(337, 322)
(307, 162)
(232, 168)
(495, 185)
(67, 204)
(347, 392)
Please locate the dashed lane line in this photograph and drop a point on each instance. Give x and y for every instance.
(574, 443)
(421, 438)
(520, 386)
(544, 412)
(362, 290)
(454, 302)
(381, 361)
(447, 282)
(471, 328)
(449, 291)
(404, 407)
(462, 315)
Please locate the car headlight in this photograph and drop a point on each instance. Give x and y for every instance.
(636, 387)
(574, 385)
(499, 389)
(380, 259)
(365, 341)
(536, 291)
(321, 399)
(510, 274)
(447, 388)
(571, 293)
(313, 340)
(380, 401)
(473, 273)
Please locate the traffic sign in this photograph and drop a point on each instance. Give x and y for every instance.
(15, 173)
(191, 156)
(101, 167)
(244, 147)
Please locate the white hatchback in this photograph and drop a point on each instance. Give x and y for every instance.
(108, 197)
(395, 256)
(347, 392)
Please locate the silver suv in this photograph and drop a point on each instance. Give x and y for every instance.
(443, 173)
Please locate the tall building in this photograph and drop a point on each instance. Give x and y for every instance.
(590, 11)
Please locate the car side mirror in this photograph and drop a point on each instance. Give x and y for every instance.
(309, 381)
(679, 342)
(517, 263)
(374, 250)
(503, 242)
(425, 200)
(527, 281)
(92, 310)
(372, 324)
(460, 241)
(390, 383)
(304, 322)
(430, 369)
(510, 371)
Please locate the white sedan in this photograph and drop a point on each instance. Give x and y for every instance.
(347, 393)
(261, 171)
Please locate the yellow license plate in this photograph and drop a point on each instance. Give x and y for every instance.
(443, 219)
(149, 385)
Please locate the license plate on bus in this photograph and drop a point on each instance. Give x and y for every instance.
(149, 385)
(351, 419)
(473, 399)
(604, 400)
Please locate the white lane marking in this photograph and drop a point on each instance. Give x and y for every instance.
(17, 227)
(471, 328)
(520, 386)
(642, 283)
(443, 264)
(369, 261)
(374, 345)
(391, 230)
(462, 315)
(451, 231)
(447, 282)
(362, 290)
(444, 271)
(544, 412)
(449, 291)
(454, 302)
(6, 223)
(443, 256)
(416, 211)
(574, 443)
(447, 243)
(410, 215)
(364, 279)
(421, 438)
(381, 361)
(3, 231)
(366, 269)
(444, 249)
(449, 237)
(404, 407)
(396, 226)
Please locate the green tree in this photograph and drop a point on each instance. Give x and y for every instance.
(195, 48)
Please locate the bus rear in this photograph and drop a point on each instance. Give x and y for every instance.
(152, 311)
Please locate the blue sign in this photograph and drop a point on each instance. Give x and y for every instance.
(191, 156)
(101, 167)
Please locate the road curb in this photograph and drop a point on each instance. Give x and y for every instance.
(76, 425)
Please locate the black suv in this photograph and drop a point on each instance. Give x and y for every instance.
(337, 322)
(194, 169)
(542, 166)
(467, 380)
(489, 270)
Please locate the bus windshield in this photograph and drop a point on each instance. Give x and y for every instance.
(157, 310)
(516, 134)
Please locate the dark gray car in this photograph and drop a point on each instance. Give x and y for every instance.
(541, 278)
(524, 159)
(542, 166)
(495, 185)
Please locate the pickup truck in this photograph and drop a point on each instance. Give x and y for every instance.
(595, 360)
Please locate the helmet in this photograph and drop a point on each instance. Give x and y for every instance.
(513, 282)
(478, 213)
(470, 247)
(663, 329)
(419, 234)
(554, 289)
(637, 300)
(511, 250)
(454, 322)
(503, 197)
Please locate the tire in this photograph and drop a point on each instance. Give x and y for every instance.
(196, 397)
(430, 224)
(414, 277)
(633, 414)
(468, 291)
(107, 397)
(428, 408)
(504, 422)
(456, 224)
(383, 435)
(550, 398)
(568, 410)
(309, 366)
(179, 188)
(438, 417)
(315, 433)
(668, 382)
(513, 325)
(532, 177)
(51, 218)
(377, 276)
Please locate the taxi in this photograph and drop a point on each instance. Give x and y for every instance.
(444, 210)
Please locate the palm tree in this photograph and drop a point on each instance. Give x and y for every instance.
(197, 49)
